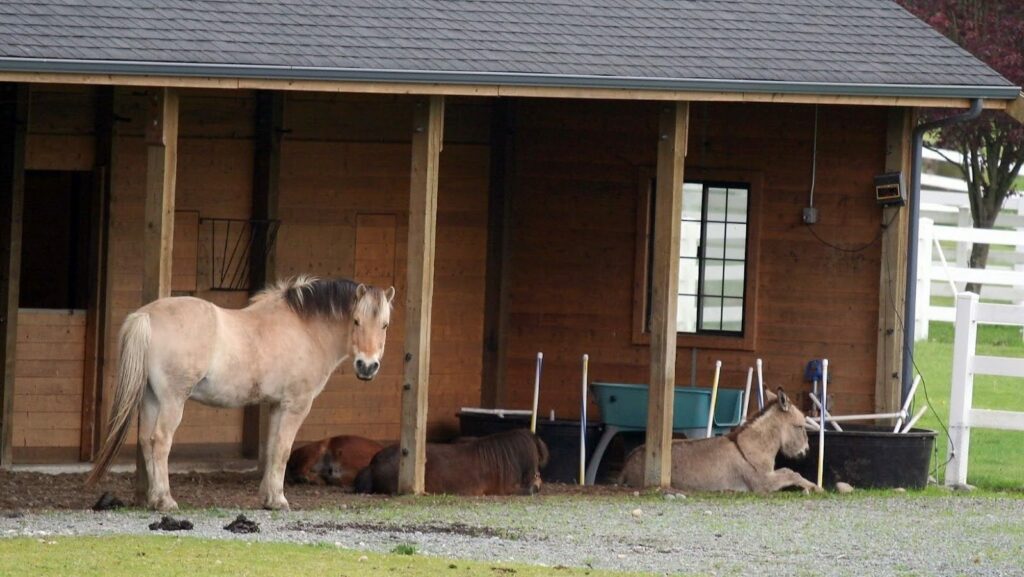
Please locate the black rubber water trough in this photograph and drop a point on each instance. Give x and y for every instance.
(869, 457)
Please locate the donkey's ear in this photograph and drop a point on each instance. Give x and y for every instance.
(783, 400)
(389, 293)
(360, 291)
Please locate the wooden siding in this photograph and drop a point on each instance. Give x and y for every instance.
(572, 249)
(48, 379)
(214, 179)
(344, 212)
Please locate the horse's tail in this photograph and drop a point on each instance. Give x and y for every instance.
(131, 384)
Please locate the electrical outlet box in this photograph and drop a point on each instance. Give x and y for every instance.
(810, 215)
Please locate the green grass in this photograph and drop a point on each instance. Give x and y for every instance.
(188, 557)
(404, 549)
(996, 458)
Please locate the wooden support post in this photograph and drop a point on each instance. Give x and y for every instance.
(269, 119)
(668, 206)
(493, 393)
(161, 168)
(96, 312)
(14, 105)
(428, 134)
(893, 276)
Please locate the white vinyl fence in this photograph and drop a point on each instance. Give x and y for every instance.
(966, 364)
(945, 239)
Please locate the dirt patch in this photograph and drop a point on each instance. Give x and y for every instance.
(229, 490)
(428, 528)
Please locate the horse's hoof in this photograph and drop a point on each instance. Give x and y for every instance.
(278, 504)
(163, 504)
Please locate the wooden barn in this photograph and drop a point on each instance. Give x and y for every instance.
(627, 180)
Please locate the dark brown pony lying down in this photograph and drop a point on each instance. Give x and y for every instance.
(333, 461)
(505, 463)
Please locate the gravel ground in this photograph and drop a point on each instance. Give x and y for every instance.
(786, 534)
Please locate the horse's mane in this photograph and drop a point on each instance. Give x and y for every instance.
(735, 433)
(309, 296)
(506, 452)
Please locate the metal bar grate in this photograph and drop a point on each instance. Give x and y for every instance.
(232, 243)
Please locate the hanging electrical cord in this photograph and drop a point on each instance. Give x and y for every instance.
(924, 385)
(814, 159)
(810, 201)
(861, 248)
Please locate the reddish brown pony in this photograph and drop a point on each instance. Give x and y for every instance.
(333, 461)
(506, 463)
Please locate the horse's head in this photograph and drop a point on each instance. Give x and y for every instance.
(793, 435)
(371, 314)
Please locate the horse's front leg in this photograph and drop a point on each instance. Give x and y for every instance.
(285, 421)
(784, 477)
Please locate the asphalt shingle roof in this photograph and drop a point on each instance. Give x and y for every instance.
(701, 42)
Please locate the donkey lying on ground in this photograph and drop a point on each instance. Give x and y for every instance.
(281, 348)
(505, 463)
(743, 460)
(333, 461)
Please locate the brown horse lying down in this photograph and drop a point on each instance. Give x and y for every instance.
(505, 463)
(743, 460)
(333, 461)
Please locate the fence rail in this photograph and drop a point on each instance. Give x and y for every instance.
(946, 230)
(966, 364)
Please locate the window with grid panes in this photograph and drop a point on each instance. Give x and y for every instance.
(713, 258)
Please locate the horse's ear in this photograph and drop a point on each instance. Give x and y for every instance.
(389, 293)
(769, 397)
(783, 400)
(360, 291)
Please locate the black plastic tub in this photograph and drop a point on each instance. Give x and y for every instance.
(561, 436)
(868, 457)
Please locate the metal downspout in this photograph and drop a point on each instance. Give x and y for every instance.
(910, 311)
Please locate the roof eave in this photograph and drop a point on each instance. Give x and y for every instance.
(456, 78)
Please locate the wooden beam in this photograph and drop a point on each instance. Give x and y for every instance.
(161, 169)
(493, 392)
(14, 107)
(668, 205)
(892, 274)
(428, 135)
(1016, 109)
(269, 120)
(96, 308)
(486, 90)
(158, 236)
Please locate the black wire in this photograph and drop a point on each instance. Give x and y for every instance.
(924, 384)
(861, 248)
(902, 326)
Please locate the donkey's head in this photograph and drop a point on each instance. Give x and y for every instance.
(371, 314)
(789, 421)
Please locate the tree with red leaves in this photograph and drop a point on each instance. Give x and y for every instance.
(992, 147)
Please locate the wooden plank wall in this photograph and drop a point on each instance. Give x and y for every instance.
(344, 210)
(575, 231)
(51, 344)
(214, 178)
(48, 384)
(345, 178)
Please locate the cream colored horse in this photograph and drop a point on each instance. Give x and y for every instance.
(280, 349)
(743, 460)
